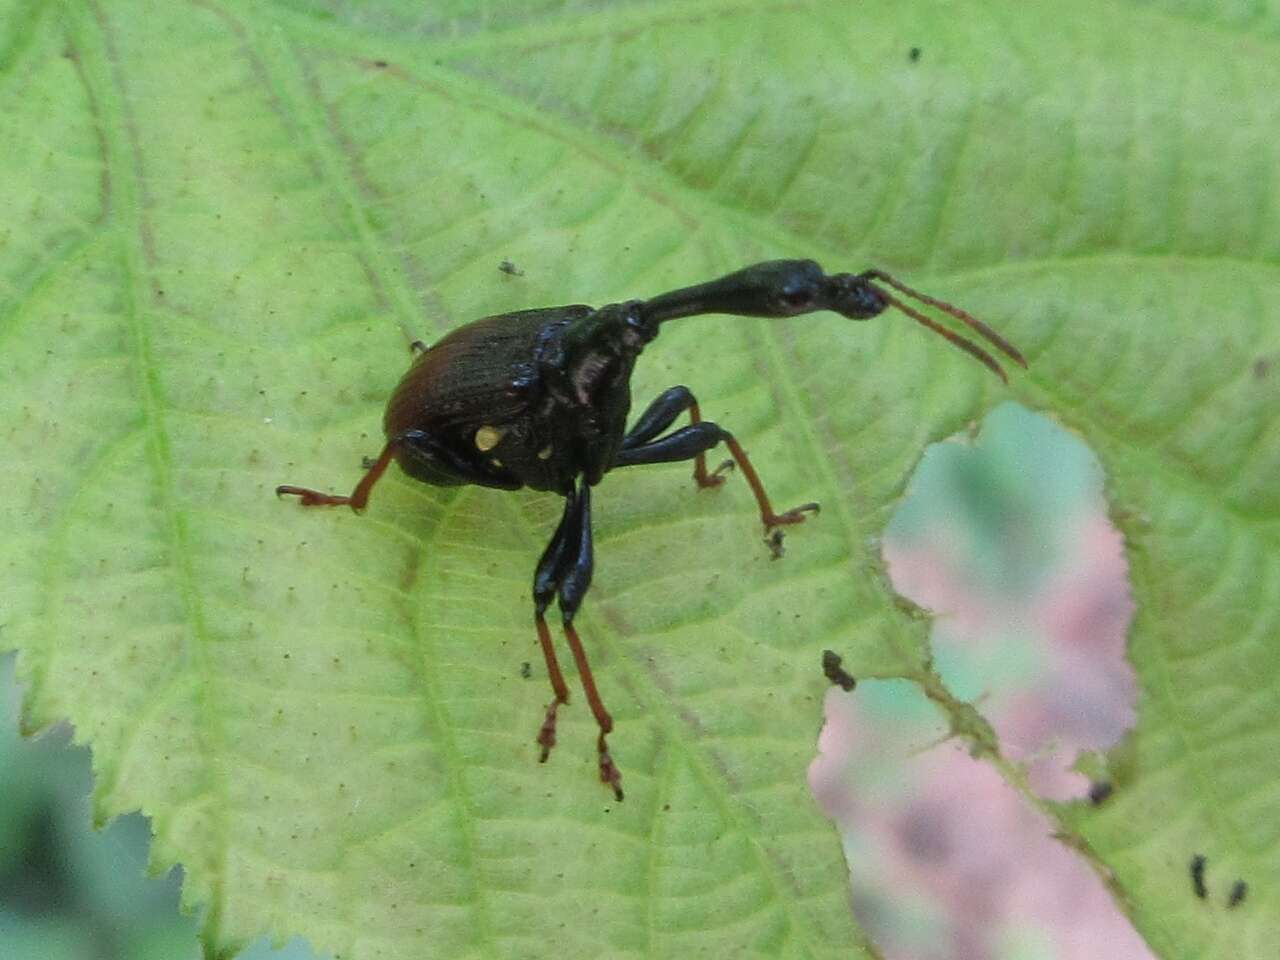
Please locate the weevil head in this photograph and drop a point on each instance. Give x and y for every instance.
(854, 296)
(799, 286)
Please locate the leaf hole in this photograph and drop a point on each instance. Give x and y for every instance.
(1004, 536)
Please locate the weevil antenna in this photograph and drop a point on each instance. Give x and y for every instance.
(968, 346)
(951, 310)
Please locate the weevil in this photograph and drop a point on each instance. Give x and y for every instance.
(540, 398)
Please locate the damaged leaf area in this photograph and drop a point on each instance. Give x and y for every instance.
(1003, 535)
(225, 220)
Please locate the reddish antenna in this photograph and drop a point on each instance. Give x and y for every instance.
(965, 344)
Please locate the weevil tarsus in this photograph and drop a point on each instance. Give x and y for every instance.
(359, 497)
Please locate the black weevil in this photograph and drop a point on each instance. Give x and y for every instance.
(539, 398)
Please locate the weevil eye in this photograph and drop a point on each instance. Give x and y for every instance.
(867, 299)
(858, 299)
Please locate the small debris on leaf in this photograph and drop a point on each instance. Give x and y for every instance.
(837, 674)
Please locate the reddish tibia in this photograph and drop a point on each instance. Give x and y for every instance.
(767, 516)
(359, 496)
(547, 732)
(701, 475)
(608, 772)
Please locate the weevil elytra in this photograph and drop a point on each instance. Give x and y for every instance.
(539, 398)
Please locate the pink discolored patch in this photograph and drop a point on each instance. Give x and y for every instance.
(1008, 543)
(1034, 637)
(946, 861)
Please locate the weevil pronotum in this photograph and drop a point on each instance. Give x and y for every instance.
(539, 398)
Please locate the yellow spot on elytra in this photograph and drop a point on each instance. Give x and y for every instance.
(545, 453)
(487, 438)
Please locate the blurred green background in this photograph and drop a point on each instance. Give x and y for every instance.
(67, 891)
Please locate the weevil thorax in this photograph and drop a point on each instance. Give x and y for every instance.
(596, 353)
(589, 375)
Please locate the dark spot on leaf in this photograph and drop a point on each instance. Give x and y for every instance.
(774, 541)
(1238, 891)
(1197, 875)
(834, 672)
(923, 835)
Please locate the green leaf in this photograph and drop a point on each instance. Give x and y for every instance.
(221, 222)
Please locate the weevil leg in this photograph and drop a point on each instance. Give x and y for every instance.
(422, 457)
(546, 579)
(546, 738)
(359, 497)
(609, 773)
(687, 442)
(577, 579)
(659, 415)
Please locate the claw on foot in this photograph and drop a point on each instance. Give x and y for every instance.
(795, 515)
(609, 773)
(547, 732)
(774, 541)
(312, 498)
(715, 477)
